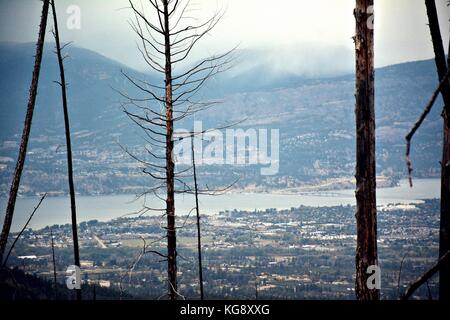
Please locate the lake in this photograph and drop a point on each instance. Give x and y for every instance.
(56, 210)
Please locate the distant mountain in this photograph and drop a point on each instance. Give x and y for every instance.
(314, 112)
(90, 76)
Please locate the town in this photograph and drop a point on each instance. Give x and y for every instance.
(299, 253)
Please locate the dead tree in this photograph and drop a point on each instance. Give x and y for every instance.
(26, 132)
(199, 238)
(419, 122)
(366, 210)
(444, 234)
(62, 83)
(444, 89)
(166, 38)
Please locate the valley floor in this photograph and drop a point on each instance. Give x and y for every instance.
(300, 253)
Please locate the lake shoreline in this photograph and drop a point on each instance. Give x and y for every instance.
(56, 210)
(332, 184)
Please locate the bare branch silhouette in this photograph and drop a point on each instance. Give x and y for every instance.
(426, 276)
(23, 228)
(419, 122)
(166, 37)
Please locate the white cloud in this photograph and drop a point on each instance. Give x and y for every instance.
(401, 31)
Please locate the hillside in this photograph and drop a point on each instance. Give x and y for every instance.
(314, 115)
(15, 284)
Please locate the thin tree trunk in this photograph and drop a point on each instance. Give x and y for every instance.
(68, 146)
(26, 132)
(54, 266)
(256, 287)
(366, 211)
(170, 200)
(199, 243)
(444, 234)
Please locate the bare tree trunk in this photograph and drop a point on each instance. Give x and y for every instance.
(26, 132)
(163, 45)
(366, 211)
(68, 146)
(170, 167)
(444, 234)
(199, 243)
(54, 266)
(256, 287)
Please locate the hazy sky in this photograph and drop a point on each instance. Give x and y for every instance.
(401, 32)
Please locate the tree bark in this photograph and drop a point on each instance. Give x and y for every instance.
(26, 132)
(444, 234)
(366, 212)
(68, 145)
(170, 167)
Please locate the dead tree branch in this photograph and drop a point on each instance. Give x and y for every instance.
(419, 122)
(23, 229)
(444, 223)
(426, 276)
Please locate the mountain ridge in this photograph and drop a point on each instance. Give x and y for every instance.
(314, 115)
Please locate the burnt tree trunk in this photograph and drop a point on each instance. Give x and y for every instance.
(444, 234)
(170, 167)
(366, 211)
(199, 238)
(26, 132)
(68, 146)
